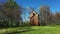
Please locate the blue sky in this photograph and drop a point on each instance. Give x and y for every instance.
(53, 4)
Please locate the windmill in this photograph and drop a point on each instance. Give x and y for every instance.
(30, 9)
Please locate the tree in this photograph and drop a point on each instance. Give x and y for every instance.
(44, 14)
(3, 16)
(12, 10)
(57, 18)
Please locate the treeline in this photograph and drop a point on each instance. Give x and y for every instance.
(47, 17)
(10, 14)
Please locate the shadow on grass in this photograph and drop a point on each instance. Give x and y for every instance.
(8, 27)
(19, 31)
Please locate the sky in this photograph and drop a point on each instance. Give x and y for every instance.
(53, 4)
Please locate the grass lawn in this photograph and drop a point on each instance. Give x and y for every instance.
(32, 30)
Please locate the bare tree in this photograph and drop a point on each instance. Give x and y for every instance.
(44, 15)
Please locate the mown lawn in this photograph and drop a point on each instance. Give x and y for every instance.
(32, 30)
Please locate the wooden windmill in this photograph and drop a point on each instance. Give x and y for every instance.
(34, 18)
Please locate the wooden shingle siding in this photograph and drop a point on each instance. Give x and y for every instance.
(34, 19)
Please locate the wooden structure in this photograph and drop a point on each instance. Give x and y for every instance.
(34, 19)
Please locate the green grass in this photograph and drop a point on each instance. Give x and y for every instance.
(44, 30)
(32, 30)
